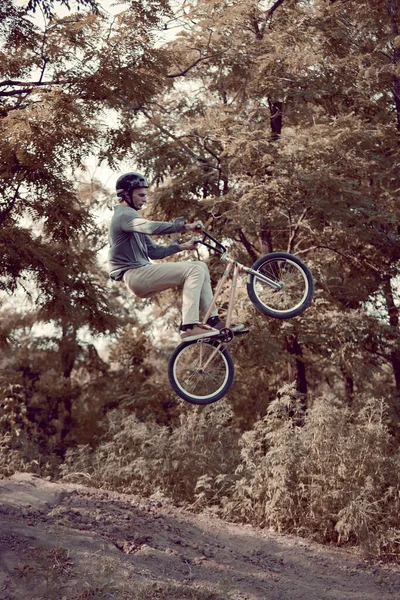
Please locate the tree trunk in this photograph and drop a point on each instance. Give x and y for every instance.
(68, 349)
(247, 244)
(348, 384)
(297, 369)
(67, 417)
(394, 15)
(394, 320)
(275, 107)
(266, 238)
(68, 352)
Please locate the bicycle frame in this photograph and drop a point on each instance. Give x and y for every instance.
(237, 267)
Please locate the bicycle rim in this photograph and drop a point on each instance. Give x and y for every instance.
(294, 284)
(201, 372)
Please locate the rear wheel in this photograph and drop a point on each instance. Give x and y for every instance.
(201, 372)
(290, 291)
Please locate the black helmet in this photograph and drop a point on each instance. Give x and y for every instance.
(129, 182)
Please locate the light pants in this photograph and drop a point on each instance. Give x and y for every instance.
(193, 276)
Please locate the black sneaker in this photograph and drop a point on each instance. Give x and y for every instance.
(221, 324)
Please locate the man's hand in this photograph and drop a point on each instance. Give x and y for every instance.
(189, 245)
(196, 226)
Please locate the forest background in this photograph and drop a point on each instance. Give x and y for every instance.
(278, 124)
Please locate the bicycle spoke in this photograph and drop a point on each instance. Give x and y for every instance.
(291, 279)
(201, 370)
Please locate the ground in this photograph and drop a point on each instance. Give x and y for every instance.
(61, 541)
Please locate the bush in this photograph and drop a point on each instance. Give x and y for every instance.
(22, 445)
(336, 477)
(190, 463)
(128, 458)
(332, 472)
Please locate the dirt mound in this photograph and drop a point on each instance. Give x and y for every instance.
(67, 542)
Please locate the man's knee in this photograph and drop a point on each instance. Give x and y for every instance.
(201, 265)
(198, 269)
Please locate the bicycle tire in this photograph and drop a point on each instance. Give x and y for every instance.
(296, 293)
(192, 384)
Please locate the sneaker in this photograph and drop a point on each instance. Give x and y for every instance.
(221, 324)
(199, 330)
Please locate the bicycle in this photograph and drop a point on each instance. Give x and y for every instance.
(279, 285)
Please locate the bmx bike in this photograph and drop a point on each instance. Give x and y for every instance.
(279, 285)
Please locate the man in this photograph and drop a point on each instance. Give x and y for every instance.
(131, 249)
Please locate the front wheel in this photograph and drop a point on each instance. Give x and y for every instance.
(280, 285)
(201, 372)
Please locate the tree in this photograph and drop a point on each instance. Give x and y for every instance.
(63, 82)
(58, 81)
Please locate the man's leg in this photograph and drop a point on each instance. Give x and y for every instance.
(206, 294)
(154, 278)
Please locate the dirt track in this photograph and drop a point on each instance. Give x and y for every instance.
(65, 541)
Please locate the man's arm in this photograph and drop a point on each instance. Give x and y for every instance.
(156, 251)
(140, 225)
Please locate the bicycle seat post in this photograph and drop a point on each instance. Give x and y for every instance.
(217, 291)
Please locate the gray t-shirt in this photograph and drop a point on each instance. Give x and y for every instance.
(130, 245)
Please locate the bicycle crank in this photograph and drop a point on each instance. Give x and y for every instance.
(226, 335)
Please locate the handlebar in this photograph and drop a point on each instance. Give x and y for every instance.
(217, 247)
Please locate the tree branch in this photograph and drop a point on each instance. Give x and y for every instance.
(217, 158)
(161, 128)
(16, 92)
(268, 16)
(27, 90)
(346, 256)
(6, 212)
(43, 57)
(248, 245)
(273, 8)
(170, 135)
(9, 82)
(393, 10)
(196, 62)
(294, 231)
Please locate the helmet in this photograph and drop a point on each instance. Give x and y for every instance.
(129, 182)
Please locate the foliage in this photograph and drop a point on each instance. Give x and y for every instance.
(59, 79)
(22, 445)
(186, 464)
(63, 80)
(336, 476)
(330, 473)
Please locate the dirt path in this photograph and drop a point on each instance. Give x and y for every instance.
(67, 542)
